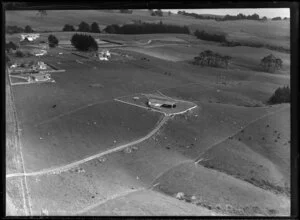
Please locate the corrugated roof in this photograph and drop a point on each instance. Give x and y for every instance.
(161, 101)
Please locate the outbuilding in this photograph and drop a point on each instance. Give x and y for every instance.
(158, 103)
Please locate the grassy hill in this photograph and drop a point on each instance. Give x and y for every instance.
(274, 33)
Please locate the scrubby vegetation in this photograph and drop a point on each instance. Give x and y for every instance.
(281, 95)
(14, 29)
(270, 63)
(209, 58)
(210, 37)
(52, 40)
(68, 27)
(84, 42)
(146, 28)
(10, 46)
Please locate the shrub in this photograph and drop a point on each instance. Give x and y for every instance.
(28, 29)
(84, 42)
(10, 46)
(281, 95)
(209, 58)
(210, 37)
(270, 63)
(95, 28)
(84, 27)
(53, 41)
(19, 53)
(68, 27)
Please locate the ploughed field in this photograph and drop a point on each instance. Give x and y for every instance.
(86, 153)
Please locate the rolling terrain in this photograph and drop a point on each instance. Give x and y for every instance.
(85, 152)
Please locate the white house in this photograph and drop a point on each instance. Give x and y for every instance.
(29, 37)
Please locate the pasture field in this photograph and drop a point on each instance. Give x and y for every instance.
(91, 148)
(237, 197)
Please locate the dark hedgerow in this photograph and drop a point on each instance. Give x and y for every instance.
(281, 95)
(84, 42)
(146, 28)
(202, 35)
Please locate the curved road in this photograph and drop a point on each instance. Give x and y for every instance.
(74, 164)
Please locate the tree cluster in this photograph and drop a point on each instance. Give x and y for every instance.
(83, 27)
(239, 16)
(271, 63)
(276, 18)
(146, 28)
(202, 35)
(209, 58)
(68, 27)
(158, 12)
(15, 29)
(52, 40)
(84, 42)
(281, 95)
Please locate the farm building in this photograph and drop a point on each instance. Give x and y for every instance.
(29, 37)
(39, 77)
(158, 103)
(104, 55)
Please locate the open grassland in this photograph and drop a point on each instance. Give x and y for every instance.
(218, 191)
(259, 154)
(84, 133)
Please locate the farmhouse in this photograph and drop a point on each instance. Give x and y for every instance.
(158, 103)
(29, 37)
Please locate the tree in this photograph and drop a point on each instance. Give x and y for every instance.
(84, 42)
(95, 28)
(84, 27)
(264, 18)
(281, 95)
(68, 27)
(52, 40)
(276, 18)
(28, 29)
(270, 63)
(169, 13)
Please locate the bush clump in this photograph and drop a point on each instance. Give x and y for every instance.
(14, 29)
(84, 42)
(281, 95)
(10, 46)
(209, 58)
(202, 35)
(68, 27)
(84, 27)
(271, 63)
(53, 41)
(146, 28)
(95, 28)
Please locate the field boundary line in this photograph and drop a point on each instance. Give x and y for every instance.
(27, 210)
(216, 143)
(239, 130)
(120, 195)
(69, 166)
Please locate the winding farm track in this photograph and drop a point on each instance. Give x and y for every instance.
(74, 164)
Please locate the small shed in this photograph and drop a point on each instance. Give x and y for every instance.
(161, 103)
